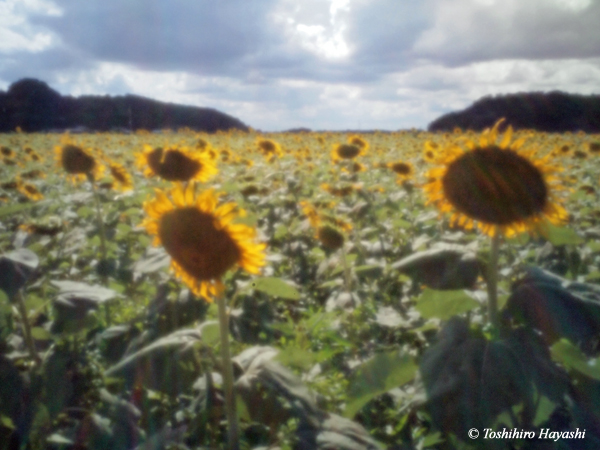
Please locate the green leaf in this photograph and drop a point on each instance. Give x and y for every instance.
(571, 357)
(275, 287)
(561, 235)
(85, 211)
(12, 209)
(40, 334)
(545, 409)
(431, 439)
(210, 332)
(383, 372)
(444, 304)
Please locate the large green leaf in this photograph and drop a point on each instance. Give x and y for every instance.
(15, 269)
(275, 287)
(470, 380)
(377, 376)
(572, 357)
(557, 308)
(560, 235)
(444, 304)
(447, 267)
(167, 364)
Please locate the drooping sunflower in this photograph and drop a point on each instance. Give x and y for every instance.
(202, 238)
(269, 148)
(121, 176)
(499, 187)
(175, 164)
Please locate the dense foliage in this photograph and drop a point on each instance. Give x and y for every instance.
(367, 328)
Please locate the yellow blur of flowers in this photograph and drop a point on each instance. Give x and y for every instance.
(176, 163)
(499, 187)
(202, 238)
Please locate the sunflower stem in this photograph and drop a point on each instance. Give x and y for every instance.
(102, 241)
(492, 281)
(347, 278)
(27, 329)
(230, 407)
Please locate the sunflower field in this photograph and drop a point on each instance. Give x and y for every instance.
(182, 290)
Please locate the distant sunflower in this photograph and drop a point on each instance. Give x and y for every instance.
(30, 191)
(593, 147)
(359, 141)
(120, 175)
(269, 148)
(328, 229)
(499, 187)
(76, 161)
(201, 238)
(33, 174)
(346, 151)
(404, 170)
(7, 151)
(175, 164)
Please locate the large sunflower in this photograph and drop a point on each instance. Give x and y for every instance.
(176, 164)
(201, 238)
(500, 187)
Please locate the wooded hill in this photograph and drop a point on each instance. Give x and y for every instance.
(551, 112)
(33, 106)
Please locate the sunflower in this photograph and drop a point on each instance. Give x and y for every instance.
(201, 238)
(359, 142)
(175, 164)
(7, 151)
(328, 229)
(29, 191)
(499, 187)
(269, 148)
(404, 170)
(121, 176)
(346, 151)
(593, 147)
(76, 161)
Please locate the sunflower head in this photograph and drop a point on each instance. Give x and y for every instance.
(359, 142)
(269, 148)
(29, 191)
(77, 161)
(120, 176)
(594, 147)
(175, 164)
(497, 185)
(346, 151)
(330, 237)
(402, 169)
(202, 238)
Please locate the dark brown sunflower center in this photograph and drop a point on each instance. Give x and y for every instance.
(193, 241)
(401, 168)
(178, 167)
(348, 151)
(75, 160)
(267, 146)
(495, 186)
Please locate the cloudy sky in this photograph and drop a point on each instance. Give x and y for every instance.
(322, 64)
